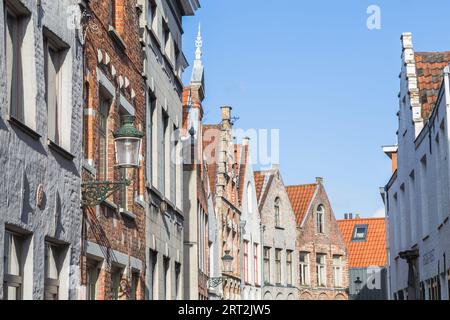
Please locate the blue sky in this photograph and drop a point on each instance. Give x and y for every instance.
(316, 72)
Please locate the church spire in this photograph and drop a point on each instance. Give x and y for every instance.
(199, 44)
(198, 69)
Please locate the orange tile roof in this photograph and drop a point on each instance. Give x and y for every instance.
(371, 252)
(430, 67)
(263, 180)
(301, 197)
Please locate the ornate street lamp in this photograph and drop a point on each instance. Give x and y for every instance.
(358, 284)
(128, 142)
(227, 261)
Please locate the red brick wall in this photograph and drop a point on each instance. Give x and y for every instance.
(331, 243)
(114, 231)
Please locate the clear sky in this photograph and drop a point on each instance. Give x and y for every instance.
(315, 71)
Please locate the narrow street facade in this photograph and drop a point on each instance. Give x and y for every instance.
(219, 151)
(40, 150)
(279, 252)
(198, 202)
(367, 257)
(321, 247)
(251, 250)
(164, 63)
(417, 195)
(113, 257)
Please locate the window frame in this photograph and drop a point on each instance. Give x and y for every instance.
(289, 268)
(355, 238)
(305, 273)
(321, 270)
(278, 267)
(266, 259)
(320, 219)
(337, 271)
(10, 280)
(277, 213)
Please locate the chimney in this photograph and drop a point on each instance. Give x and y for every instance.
(350, 216)
(346, 216)
(226, 116)
(246, 141)
(319, 180)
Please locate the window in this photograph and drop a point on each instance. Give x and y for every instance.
(256, 262)
(165, 153)
(278, 265)
(116, 278)
(304, 269)
(54, 59)
(177, 280)
(92, 273)
(246, 275)
(14, 71)
(289, 267)
(153, 259)
(267, 265)
(250, 198)
(166, 266)
(173, 167)
(112, 13)
(13, 267)
(321, 219)
(277, 212)
(53, 255)
(321, 270)
(337, 271)
(151, 13)
(102, 165)
(134, 286)
(360, 233)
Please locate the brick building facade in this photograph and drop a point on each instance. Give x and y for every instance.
(219, 150)
(323, 271)
(279, 253)
(113, 257)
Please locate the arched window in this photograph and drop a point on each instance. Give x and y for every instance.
(250, 198)
(321, 219)
(277, 212)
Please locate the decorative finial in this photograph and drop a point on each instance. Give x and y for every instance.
(199, 44)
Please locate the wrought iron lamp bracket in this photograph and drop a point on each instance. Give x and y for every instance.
(215, 282)
(94, 193)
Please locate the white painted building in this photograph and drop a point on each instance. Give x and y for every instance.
(164, 64)
(251, 251)
(417, 196)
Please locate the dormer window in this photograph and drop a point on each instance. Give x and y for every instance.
(360, 233)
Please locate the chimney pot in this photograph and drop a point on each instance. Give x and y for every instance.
(350, 216)
(226, 113)
(346, 216)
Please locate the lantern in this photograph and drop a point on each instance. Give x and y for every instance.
(227, 262)
(128, 141)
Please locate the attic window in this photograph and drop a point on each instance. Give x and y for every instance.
(360, 233)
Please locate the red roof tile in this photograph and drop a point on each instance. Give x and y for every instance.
(301, 198)
(371, 252)
(430, 67)
(263, 179)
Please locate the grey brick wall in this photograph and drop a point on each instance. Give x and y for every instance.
(26, 162)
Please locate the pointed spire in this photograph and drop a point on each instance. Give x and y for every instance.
(198, 69)
(199, 44)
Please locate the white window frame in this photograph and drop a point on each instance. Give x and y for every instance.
(305, 279)
(337, 271)
(321, 270)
